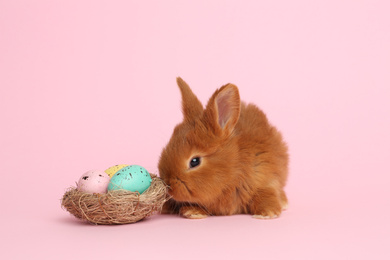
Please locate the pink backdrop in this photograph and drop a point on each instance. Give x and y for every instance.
(90, 84)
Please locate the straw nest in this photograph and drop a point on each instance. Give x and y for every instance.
(116, 207)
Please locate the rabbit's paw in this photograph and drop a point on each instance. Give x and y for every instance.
(269, 215)
(193, 212)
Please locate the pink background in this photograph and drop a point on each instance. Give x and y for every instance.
(90, 84)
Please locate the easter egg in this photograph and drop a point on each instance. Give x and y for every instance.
(132, 178)
(93, 181)
(112, 170)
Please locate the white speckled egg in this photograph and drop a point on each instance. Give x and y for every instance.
(94, 181)
(132, 178)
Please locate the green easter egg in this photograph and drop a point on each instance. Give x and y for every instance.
(132, 178)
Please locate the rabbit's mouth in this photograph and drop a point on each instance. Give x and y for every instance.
(179, 190)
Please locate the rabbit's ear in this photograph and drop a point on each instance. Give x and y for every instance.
(191, 106)
(223, 109)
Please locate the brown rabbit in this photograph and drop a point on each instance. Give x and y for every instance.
(225, 159)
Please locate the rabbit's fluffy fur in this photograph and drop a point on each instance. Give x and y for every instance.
(243, 159)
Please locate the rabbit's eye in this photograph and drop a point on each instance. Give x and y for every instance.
(194, 162)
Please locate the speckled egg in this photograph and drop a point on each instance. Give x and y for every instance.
(132, 178)
(93, 181)
(113, 169)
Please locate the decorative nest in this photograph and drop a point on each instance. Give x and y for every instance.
(116, 207)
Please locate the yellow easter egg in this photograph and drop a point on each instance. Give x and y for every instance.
(113, 169)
